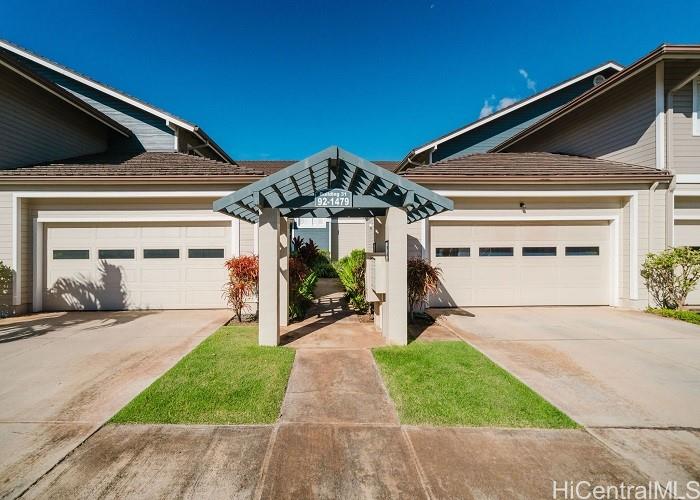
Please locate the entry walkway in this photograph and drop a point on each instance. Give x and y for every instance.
(334, 378)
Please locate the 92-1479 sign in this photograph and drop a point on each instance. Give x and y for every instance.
(334, 198)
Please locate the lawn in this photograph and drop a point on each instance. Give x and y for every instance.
(227, 379)
(451, 383)
(683, 315)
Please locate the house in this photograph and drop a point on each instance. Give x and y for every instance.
(106, 201)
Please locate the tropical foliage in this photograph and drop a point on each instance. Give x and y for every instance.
(423, 279)
(671, 275)
(242, 284)
(351, 272)
(302, 281)
(5, 288)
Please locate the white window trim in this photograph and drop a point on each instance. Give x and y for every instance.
(696, 106)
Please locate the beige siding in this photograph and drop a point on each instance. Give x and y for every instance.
(415, 247)
(5, 237)
(36, 126)
(618, 125)
(684, 147)
(347, 235)
(247, 238)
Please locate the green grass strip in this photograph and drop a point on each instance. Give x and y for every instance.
(683, 315)
(227, 379)
(451, 383)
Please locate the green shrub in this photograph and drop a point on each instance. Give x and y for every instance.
(5, 289)
(423, 279)
(302, 282)
(688, 316)
(322, 265)
(671, 275)
(351, 272)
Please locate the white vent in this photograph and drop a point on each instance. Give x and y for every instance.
(598, 79)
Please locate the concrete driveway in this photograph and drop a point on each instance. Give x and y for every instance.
(633, 379)
(65, 374)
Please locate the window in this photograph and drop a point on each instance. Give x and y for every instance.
(539, 251)
(453, 252)
(581, 251)
(205, 253)
(496, 252)
(71, 254)
(115, 254)
(696, 106)
(161, 253)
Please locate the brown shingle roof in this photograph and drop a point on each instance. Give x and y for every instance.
(150, 164)
(272, 166)
(531, 167)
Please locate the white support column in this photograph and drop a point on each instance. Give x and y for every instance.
(235, 237)
(38, 271)
(395, 309)
(425, 238)
(16, 264)
(268, 289)
(284, 272)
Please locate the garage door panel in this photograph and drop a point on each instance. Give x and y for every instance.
(518, 279)
(138, 283)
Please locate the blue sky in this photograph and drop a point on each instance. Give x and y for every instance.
(281, 80)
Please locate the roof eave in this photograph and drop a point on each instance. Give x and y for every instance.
(600, 179)
(130, 179)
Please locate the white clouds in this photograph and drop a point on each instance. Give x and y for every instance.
(490, 106)
(494, 104)
(486, 109)
(507, 101)
(531, 84)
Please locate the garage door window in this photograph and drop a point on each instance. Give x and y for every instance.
(115, 254)
(161, 253)
(71, 254)
(496, 252)
(582, 251)
(453, 252)
(205, 253)
(539, 251)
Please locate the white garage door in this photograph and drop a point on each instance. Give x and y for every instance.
(491, 264)
(135, 266)
(687, 233)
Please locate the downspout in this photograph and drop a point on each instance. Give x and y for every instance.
(670, 209)
(650, 221)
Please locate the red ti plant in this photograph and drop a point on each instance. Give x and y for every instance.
(242, 282)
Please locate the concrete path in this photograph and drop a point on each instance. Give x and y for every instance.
(338, 436)
(633, 379)
(64, 374)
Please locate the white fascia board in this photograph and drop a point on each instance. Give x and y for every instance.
(120, 194)
(515, 107)
(446, 216)
(141, 218)
(535, 194)
(686, 217)
(688, 179)
(98, 86)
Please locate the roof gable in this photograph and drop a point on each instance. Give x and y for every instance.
(650, 59)
(152, 124)
(484, 133)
